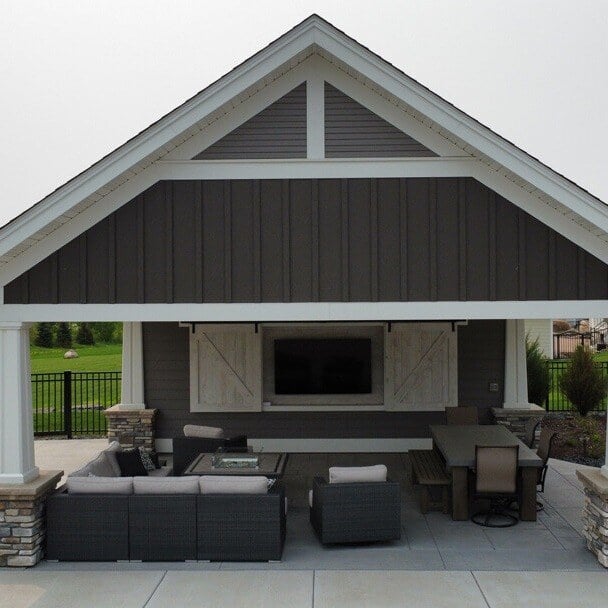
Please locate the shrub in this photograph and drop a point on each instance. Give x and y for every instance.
(64, 335)
(583, 382)
(559, 325)
(103, 332)
(84, 335)
(539, 377)
(44, 335)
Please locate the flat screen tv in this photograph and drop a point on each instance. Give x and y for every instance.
(322, 366)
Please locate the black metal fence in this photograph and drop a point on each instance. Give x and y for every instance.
(72, 403)
(557, 401)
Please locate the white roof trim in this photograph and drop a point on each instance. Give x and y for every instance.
(140, 153)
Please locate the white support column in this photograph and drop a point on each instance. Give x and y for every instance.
(16, 416)
(132, 393)
(516, 376)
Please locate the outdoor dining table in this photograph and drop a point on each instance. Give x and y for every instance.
(456, 444)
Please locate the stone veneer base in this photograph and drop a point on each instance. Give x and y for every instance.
(595, 513)
(515, 419)
(22, 519)
(131, 427)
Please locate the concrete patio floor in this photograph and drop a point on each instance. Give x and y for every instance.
(438, 562)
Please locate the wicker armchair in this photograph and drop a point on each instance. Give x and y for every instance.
(356, 512)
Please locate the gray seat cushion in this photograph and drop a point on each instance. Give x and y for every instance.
(376, 472)
(233, 484)
(166, 485)
(100, 485)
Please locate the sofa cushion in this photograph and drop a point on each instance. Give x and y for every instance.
(165, 485)
(110, 452)
(100, 466)
(205, 432)
(233, 484)
(376, 472)
(100, 485)
(161, 472)
(130, 463)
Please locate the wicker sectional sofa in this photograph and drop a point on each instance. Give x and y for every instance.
(166, 527)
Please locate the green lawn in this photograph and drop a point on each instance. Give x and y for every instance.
(97, 358)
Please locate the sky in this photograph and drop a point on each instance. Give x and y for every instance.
(78, 78)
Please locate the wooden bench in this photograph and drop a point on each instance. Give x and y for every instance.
(428, 470)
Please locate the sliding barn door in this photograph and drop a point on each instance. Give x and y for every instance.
(225, 369)
(420, 367)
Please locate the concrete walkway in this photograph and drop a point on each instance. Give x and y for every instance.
(438, 562)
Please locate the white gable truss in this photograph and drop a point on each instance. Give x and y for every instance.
(313, 52)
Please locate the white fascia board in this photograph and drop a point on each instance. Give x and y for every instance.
(316, 169)
(157, 135)
(461, 125)
(310, 311)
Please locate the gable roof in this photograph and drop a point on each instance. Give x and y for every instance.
(62, 214)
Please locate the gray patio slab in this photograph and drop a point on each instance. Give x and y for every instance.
(77, 589)
(391, 589)
(534, 589)
(230, 589)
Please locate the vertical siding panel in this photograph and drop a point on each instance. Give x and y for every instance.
(507, 245)
(168, 190)
(596, 278)
(314, 228)
(97, 268)
(69, 268)
(127, 253)
(54, 278)
(300, 239)
(344, 214)
(330, 240)
(112, 258)
(388, 241)
(359, 241)
(403, 261)
(213, 221)
(492, 245)
(242, 241)
(447, 242)
(227, 241)
(198, 241)
(477, 252)
(41, 282)
(537, 259)
(432, 202)
(286, 242)
(373, 235)
(521, 256)
(140, 260)
(184, 242)
(462, 238)
(257, 271)
(154, 245)
(418, 239)
(271, 252)
(82, 283)
(567, 269)
(552, 270)
(581, 274)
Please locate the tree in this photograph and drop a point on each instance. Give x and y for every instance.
(583, 382)
(64, 335)
(84, 335)
(44, 335)
(103, 332)
(538, 373)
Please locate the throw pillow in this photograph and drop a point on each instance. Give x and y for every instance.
(146, 459)
(130, 463)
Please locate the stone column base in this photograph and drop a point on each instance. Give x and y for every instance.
(515, 419)
(22, 519)
(132, 428)
(595, 513)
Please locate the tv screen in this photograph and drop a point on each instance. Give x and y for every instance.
(322, 366)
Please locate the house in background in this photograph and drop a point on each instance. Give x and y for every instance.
(541, 330)
(315, 250)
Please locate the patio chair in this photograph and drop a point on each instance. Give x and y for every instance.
(530, 429)
(462, 415)
(496, 481)
(545, 447)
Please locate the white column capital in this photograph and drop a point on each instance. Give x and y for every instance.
(132, 381)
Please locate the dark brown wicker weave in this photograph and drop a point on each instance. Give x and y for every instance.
(356, 512)
(241, 527)
(87, 527)
(162, 527)
(186, 449)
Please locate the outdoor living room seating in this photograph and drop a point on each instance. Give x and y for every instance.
(358, 505)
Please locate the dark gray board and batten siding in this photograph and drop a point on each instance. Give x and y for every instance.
(330, 240)
(352, 130)
(279, 131)
(166, 386)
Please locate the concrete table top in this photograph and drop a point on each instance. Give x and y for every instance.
(457, 443)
